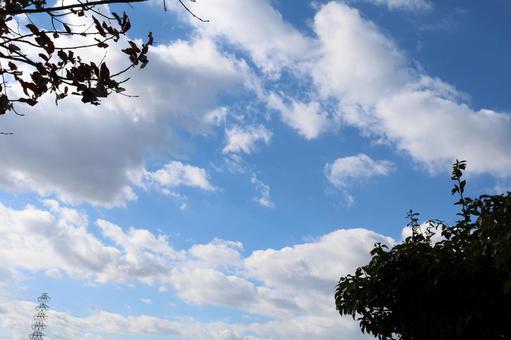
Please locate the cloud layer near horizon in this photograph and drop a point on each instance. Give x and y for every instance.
(290, 286)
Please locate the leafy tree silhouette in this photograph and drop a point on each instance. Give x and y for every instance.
(49, 52)
(456, 288)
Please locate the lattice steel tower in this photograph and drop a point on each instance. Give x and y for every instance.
(40, 317)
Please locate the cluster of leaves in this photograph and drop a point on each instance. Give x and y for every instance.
(456, 288)
(33, 61)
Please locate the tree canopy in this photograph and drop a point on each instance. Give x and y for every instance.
(456, 288)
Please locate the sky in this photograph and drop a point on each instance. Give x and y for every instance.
(266, 152)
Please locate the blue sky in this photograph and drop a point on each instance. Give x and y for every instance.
(265, 154)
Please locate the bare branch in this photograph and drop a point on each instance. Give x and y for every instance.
(191, 13)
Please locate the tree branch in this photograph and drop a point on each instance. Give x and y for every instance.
(63, 8)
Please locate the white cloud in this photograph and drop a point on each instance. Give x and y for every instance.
(358, 64)
(217, 254)
(175, 174)
(207, 286)
(216, 116)
(410, 5)
(314, 265)
(424, 229)
(272, 45)
(354, 63)
(293, 286)
(264, 192)
(306, 118)
(441, 130)
(96, 155)
(56, 242)
(302, 278)
(346, 171)
(146, 301)
(34, 240)
(239, 139)
(381, 94)
(81, 153)
(16, 316)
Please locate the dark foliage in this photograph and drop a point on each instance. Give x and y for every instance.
(457, 288)
(39, 57)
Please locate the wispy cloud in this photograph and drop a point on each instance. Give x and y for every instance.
(263, 197)
(352, 170)
(176, 174)
(244, 139)
(408, 5)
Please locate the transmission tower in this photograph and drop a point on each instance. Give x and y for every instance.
(40, 317)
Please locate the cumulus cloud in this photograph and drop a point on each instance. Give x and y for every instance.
(59, 241)
(207, 286)
(425, 228)
(358, 64)
(81, 153)
(303, 276)
(380, 93)
(290, 286)
(217, 254)
(346, 171)
(244, 139)
(96, 155)
(440, 130)
(175, 174)
(272, 46)
(306, 118)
